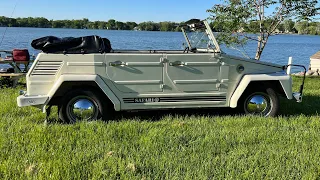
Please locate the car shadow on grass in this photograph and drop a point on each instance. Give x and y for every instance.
(157, 115)
(310, 106)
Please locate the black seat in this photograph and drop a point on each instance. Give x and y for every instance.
(71, 45)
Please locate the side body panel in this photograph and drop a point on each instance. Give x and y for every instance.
(192, 73)
(49, 71)
(135, 73)
(195, 82)
(249, 67)
(163, 80)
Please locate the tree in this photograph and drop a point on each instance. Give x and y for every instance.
(318, 28)
(119, 25)
(167, 26)
(232, 15)
(252, 26)
(111, 24)
(131, 25)
(281, 27)
(312, 30)
(149, 26)
(288, 25)
(85, 23)
(57, 24)
(41, 22)
(101, 24)
(302, 27)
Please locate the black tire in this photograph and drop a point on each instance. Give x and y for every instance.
(87, 97)
(269, 107)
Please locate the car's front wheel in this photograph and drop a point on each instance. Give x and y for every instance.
(81, 105)
(260, 102)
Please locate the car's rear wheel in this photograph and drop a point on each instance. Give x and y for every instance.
(260, 102)
(81, 105)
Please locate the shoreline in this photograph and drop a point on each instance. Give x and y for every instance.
(294, 34)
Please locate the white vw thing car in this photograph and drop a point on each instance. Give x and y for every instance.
(88, 80)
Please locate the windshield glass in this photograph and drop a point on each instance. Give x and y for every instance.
(200, 40)
(200, 36)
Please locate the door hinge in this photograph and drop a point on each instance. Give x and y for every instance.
(163, 60)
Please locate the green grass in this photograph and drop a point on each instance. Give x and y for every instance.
(178, 146)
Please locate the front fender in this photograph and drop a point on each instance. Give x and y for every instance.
(284, 79)
(80, 78)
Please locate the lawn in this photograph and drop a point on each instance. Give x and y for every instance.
(165, 145)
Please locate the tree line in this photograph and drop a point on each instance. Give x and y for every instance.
(40, 22)
(288, 26)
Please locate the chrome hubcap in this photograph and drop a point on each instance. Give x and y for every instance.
(257, 104)
(83, 109)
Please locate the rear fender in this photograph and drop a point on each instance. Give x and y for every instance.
(81, 78)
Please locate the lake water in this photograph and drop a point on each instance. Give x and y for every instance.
(278, 49)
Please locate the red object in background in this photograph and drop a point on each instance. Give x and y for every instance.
(21, 55)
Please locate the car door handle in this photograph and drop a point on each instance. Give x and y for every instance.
(118, 63)
(177, 63)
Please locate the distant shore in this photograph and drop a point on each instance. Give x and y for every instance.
(305, 28)
(297, 34)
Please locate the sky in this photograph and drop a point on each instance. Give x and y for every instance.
(120, 10)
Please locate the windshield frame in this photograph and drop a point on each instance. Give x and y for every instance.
(208, 31)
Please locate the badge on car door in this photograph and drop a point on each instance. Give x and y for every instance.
(146, 100)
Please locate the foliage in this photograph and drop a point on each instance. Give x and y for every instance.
(157, 145)
(312, 30)
(111, 24)
(288, 25)
(148, 26)
(236, 17)
(302, 27)
(250, 27)
(167, 26)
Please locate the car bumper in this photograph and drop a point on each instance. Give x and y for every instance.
(25, 100)
(298, 97)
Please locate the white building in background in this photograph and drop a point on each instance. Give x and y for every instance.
(315, 62)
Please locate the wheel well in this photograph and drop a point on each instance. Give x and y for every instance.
(275, 85)
(72, 85)
(263, 85)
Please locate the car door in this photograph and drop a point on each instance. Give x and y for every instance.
(192, 73)
(135, 73)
